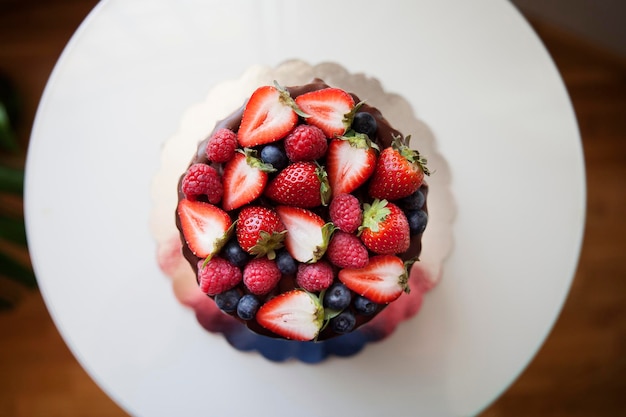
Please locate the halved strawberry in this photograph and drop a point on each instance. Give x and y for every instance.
(350, 161)
(268, 116)
(330, 109)
(302, 184)
(307, 233)
(295, 315)
(382, 281)
(205, 227)
(244, 178)
(385, 229)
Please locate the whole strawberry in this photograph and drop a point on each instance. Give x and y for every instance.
(302, 184)
(399, 171)
(261, 275)
(385, 228)
(217, 275)
(260, 231)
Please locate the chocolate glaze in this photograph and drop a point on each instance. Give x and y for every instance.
(385, 136)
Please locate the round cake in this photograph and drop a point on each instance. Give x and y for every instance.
(302, 213)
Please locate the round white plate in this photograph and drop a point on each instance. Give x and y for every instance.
(473, 71)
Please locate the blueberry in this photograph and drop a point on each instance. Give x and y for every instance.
(413, 202)
(337, 297)
(365, 123)
(417, 221)
(275, 155)
(343, 323)
(248, 306)
(364, 305)
(227, 301)
(286, 264)
(235, 254)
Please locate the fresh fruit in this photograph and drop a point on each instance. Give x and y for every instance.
(202, 179)
(227, 301)
(337, 297)
(260, 231)
(399, 171)
(382, 281)
(365, 123)
(235, 254)
(343, 323)
(418, 219)
(315, 277)
(285, 262)
(261, 275)
(385, 228)
(305, 143)
(302, 184)
(350, 161)
(295, 315)
(248, 306)
(217, 275)
(346, 250)
(268, 116)
(414, 201)
(221, 146)
(274, 155)
(330, 109)
(244, 179)
(364, 306)
(345, 212)
(307, 234)
(205, 227)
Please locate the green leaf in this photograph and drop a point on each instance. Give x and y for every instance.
(14, 270)
(13, 230)
(11, 180)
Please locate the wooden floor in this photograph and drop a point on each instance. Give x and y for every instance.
(579, 372)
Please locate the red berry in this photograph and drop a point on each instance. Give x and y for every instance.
(221, 146)
(261, 275)
(306, 143)
(315, 277)
(346, 250)
(346, 213)
(260, 231)
(217, 276)
(202, 179)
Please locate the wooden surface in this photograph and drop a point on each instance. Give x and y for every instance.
(579, 372)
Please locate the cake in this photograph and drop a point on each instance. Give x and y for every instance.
(301, 214)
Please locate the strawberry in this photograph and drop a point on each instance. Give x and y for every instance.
(307, 233)
(295, 315)
(330, 109)
(350, 161)
(268, 116)
(385, 228)
(382, 281)
(302, 184)
(260, 231)
(244, 179)
(399, 171)
(205, 227)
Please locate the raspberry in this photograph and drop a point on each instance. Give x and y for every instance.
(261, 275)
(305, 143)
(346, 213)
(202, 179)
(221, 146)
(315, 277)
(217, 276)
(347, 251)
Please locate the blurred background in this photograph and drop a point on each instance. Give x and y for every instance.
(579, 372)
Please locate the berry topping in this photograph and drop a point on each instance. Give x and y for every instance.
(414, 201)
(306, 143)
(337, 297)
(295, 315)
(351, 160)
(343, 323)
(307, 233)
(364, 306)
(221, 146)
(365, 123)
(302, 184)
(260, 231)
(399, 171)
(245, 177)
(315, 277)
(274, 155)
(235, 253)
(346, 250)
(330, 109)
(268, 116)
(285, 262)
(385, 229)
(248, 306)
(382, 281)
(261, 275)
(418, 219)
(345, 212)
(227, 301)
(205, 227)
(217, 275)
(202, 179)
